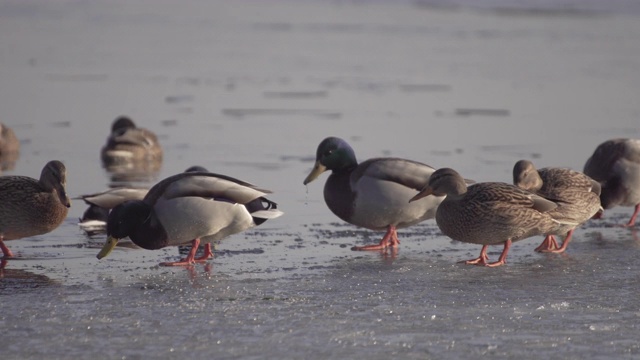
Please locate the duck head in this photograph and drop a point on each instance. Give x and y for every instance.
(526, 176)
(443, 182)
(333, 154)
(122, 222)
(54, 177)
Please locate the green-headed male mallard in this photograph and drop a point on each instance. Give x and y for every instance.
(487, 213)
(576, 194)
(30, 207)
(189, 208)
(373, 194)
(615, 164)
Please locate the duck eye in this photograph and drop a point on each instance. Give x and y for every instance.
(328, 152)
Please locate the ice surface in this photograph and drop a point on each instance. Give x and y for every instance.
(248, 89)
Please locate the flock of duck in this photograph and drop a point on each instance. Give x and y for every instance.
(198, 207)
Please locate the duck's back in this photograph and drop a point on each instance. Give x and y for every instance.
(133, 144)
(600, 166)
(491, 213)
(616, 164)
(577, 195)
(27, 209)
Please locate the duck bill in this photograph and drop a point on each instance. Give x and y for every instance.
(108, 246)
(425, 192)
(315, 172)
(64, 199)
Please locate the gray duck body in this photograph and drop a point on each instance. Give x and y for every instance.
(615, 164)
(373, 194)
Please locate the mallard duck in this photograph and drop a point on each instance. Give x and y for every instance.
(9, 147)
(615, 164)
(373, 194)
(576, 194)
(31, 207)
(487, 213)
(189, 208)
(130, 144)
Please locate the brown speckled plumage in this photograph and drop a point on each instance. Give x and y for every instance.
(488, 213)
(576, 194)
(9, 143)
(128, 143)
(9, 148)
(31, 207)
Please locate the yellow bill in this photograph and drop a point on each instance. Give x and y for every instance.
(108, 246)
(315, 172)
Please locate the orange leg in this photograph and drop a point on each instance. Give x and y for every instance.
(632, 221)
(565, 243)
(390, 240)
(207, 253)
(503, 257)
(549, 244)
(483, 259)
(480, 260)
(190, 259)
(5, 250)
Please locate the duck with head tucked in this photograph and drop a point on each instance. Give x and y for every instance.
(189, 208)
(373, 194)
(129, 143)
(487, 213)
(30, 207)
(615, 164)
(576, 194)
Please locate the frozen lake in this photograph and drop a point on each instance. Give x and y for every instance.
(249, 89)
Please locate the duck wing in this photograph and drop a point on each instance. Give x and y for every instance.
(206, 185)
(409, 173)
(113, 197)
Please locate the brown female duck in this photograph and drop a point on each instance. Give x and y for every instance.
(576, 194)
(31, 207)
(128, 143)
(487, 213)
